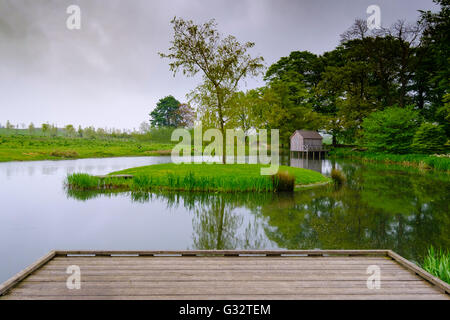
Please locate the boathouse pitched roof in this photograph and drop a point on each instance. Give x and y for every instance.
(307, 134)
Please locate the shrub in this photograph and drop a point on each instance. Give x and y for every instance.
(283, 181)
(338, 177)
(429, 138)
(391, 130)
(64, 154)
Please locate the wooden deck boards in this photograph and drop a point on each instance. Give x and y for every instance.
(218, 275)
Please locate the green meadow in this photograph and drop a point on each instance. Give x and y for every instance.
(27, 147)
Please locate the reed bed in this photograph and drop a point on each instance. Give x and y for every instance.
(283, 181)
(194, 177)
(189, 182)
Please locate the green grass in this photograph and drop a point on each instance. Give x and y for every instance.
(25, 148)
(415, 160)
(194, 177)
(438, 264)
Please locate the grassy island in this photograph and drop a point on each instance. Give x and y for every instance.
(198, 177)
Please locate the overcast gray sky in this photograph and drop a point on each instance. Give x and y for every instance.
(108, 73)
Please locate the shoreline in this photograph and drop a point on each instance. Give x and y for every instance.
(420, 161)
(89, 157)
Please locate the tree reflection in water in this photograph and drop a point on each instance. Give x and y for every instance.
(379, 207)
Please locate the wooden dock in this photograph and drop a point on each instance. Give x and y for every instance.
(220, 275)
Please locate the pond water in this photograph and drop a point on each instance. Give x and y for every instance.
(379, 207)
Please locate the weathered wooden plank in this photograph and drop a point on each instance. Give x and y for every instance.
(226, 257)
(240, 297)
(230, 260)
(236, 290)
(270, 268)
(226, 284)
(225, 252)
(24, 273)
(219, 272)
(222, 276)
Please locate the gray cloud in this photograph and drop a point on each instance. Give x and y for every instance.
(108, 73)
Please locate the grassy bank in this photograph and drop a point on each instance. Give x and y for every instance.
(26, 148)
(437, 262)
(197, 177)
(415, 160)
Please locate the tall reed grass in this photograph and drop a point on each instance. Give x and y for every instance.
(283, 181)
(187, 182)
(438, 264)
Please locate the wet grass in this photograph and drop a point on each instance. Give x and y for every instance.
(198, 177)
(437, 262)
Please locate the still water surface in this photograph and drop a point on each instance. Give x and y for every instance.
(379, 208)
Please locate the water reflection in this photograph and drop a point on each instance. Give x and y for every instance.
(217, 226)
(378, 208)
(311, 164)
(219, 221)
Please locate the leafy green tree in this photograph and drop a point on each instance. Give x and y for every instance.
(243, 105)
(100, 132)
(434, 71)
(293, 111)
(69, 130)
(391, 130)
(301, 66)
(53, 130)
(429, 138)
(9, 125)
(31, 128)
(291, 88)
(223, 62)
(80, 131)
(89, 132)
(164, 115)
(443, 115)
(185, 116)
(45, 128)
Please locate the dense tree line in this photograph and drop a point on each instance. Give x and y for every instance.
(376, 88)
(405, 66)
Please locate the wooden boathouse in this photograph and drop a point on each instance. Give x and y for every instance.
(305, 144)
(224, 274)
